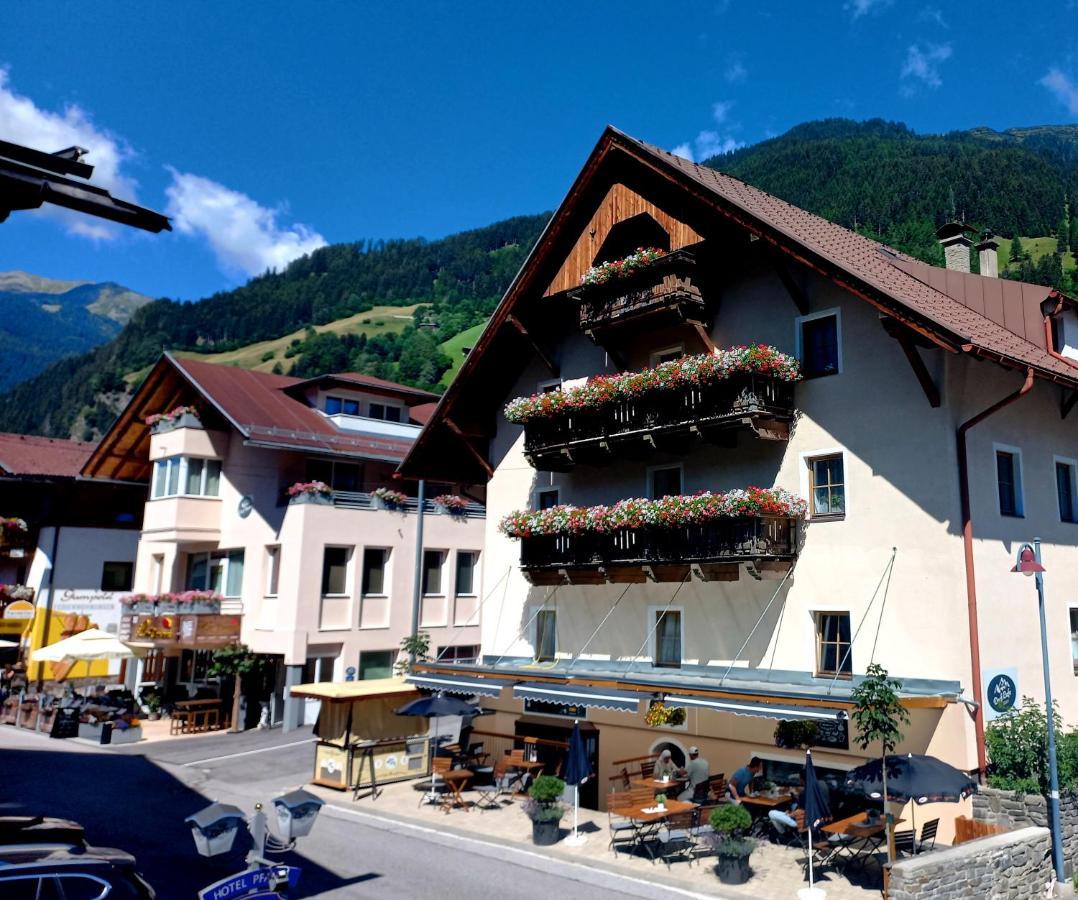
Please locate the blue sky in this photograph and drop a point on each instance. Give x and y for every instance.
(266, 129)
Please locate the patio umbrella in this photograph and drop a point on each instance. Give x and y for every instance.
(577, 771)
(86, 645)
(816, 809)
(434, 707)
(922, 779)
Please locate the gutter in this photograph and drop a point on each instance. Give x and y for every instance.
(967, 547)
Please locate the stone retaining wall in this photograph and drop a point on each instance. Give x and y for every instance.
(1014, 810)
(1017, 864)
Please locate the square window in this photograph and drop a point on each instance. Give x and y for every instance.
(665, 482)
(546, 499)
(818, 339)
(376, 664)
(335, 571)
(833, 655)
(668, 638)
(433, 560)
(1009, 482)
(374, 571)
(333, 406)
(393, 413)
(376, 411)
(546, 635)
(1066, 484)
(466, 560)
(828, 486)
(117, 576)
(350, 407)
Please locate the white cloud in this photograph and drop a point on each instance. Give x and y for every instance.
(736, 72)
(709, 142)
(1066, 91)
(245, 237)
(721, 110)
(863, 7)
(934, 15)
(683, 150)
(924, 64)
(24, 122)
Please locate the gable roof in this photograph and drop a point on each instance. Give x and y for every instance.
(259, 405)
(946, 312)
(368, 382)
(27, 454)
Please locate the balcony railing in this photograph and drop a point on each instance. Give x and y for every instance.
(365, 500)
(733, 540)
(761, 402)
(664, 288)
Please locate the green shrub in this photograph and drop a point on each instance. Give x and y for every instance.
(730, 820)
(547, 789)
(1017, 748)
(268, 355)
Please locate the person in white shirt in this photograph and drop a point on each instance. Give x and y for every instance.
(696, 772)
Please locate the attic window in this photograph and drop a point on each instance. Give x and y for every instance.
(625, 237)
(1065, 334)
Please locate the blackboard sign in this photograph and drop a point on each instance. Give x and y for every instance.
(65, 724)
(567, 710)
(833, 733)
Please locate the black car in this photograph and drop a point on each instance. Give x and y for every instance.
(51, 872)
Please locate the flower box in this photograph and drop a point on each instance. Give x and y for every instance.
(386, 498)
(316, 499)
(180, 417)
(317, 492)
(606, 272)
(451, 505)
(181, 602)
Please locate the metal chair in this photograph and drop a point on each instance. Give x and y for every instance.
(647, 769)
(928, 835)
(678, 837)
(501, 784)
(622, 830)
(904, 842)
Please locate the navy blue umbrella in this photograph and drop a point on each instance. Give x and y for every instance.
(577, 771)
(817, 812)
(433, 707)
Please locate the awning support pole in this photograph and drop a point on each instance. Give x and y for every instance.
(886, 574)
(741, 649)
(580, 652)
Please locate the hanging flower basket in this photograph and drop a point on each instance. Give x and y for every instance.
(659, 715)
(180, 417)
(641, 258)
(667, 512)
(16, 592)
(688, 371)
(387, 498)
(451, 504)
(311, 492)
(12, 526)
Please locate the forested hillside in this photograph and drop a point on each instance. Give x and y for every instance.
(878, 177)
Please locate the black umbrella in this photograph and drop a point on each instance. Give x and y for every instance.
(577, 771)
(922, 779)
(817, 810)
(434, 707)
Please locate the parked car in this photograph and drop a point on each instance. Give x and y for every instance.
(48, 872)
(19, 830)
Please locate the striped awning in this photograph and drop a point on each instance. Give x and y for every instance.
(785, 712)
(574, 695)
(466, 685)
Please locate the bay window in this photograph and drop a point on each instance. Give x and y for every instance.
(186, 476)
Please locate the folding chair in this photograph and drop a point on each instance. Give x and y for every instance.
(904, 843)
(928, 835)
(678, 837)
(647, 769)
(622, 830)
(501, 784)
(439, 766)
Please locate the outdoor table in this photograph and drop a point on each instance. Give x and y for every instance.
(658, 785)
(761, 804)
(456, 780)
(865, 839)
(521, 769)
(648, 820)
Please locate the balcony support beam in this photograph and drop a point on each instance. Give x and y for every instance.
(924, 378)
(796, 292)
(1066, 404)
(483, 462)
(540, 350)
(704, 335)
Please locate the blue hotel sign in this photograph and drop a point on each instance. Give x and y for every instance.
(250, 885)
(1000, 692)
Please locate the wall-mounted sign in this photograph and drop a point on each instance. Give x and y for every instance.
(833, 733)
(567, 710)
(1000, 692)
(102, 608)
(19, 609)
(189, 631)
(246, 504)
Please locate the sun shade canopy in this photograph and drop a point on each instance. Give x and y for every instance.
(459, 684)
(760, 710)
(591, 697)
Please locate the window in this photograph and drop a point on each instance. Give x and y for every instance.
(548, 387)
(376, 664)
(194, 666)
(335, 571)
(336, 406)
(157, 573)
(833, 655)
(667, 354)
(432, 572)
(546, 499)
(466, 560)
(664, 481)
(196, 477)
(385, 411)
(546, 635)
(818, 344)
(76, 886)
(220, 571)
(273, 569)
(393, 413)
(318, 669)
(1074, 639)
(828, 486)
(1009, 481)
(1066, 483)
(117, 576)
(668, 638)
(340, 476)
(467, 654)
(374, 571)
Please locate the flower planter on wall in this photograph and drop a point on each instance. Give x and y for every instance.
(187, 420)
(316, 499)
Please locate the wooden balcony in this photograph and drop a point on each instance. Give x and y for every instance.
(663, 293)
(712, 551)
(667, 419)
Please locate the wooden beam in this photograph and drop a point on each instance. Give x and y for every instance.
(704, 335)
(547, 359)
(797, 294)
(920, 370)
(1066, 404)
(476, 455)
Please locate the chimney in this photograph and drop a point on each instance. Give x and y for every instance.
(955, 245)
(987, 255)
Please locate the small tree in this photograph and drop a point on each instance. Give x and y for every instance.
(878, 715)
(414, 648)
(235, 662)
(1016, 250)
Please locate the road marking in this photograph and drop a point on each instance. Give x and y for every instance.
(199, 762)
(383, 820)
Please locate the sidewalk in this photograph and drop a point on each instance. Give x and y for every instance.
(777, 871)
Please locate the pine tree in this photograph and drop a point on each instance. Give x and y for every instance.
(1063, 232)
(1016, 250)
(1074, 235)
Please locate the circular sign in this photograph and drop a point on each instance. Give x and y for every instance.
(19, 609)
(1002, 693)
(247, 503)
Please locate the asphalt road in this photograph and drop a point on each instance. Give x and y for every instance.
(136, 798)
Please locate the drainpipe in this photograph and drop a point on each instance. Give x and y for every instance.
(48, 603)
(967, 547)
(417, 587)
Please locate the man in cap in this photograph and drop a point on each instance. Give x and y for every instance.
(696, 773)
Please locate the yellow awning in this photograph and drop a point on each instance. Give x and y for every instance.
(346, 691)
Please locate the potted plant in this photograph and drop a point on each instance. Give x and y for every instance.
(451, 504)
(731, 822)
(545, 809)
(311, 492)
(660, 801)
(387, 498)
(796, 735)
(151, 701)
(180, 417)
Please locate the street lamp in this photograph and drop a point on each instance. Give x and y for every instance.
(1029, 563)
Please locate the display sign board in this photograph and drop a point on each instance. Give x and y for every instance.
(65, 724)
(186, 630)
(251, 884)
(833, 733)
(566, 710)
(102, 608)
(1000, 692)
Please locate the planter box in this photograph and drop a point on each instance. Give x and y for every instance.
(449, 511)
(92, 732)
(314, 499)
(185, 421)
(379, 503)
(203, 608)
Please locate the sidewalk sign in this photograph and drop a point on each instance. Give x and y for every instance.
(250, 884)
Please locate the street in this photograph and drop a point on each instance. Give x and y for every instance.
(136, 798)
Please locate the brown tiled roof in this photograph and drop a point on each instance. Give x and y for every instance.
(358, 379)
(421, 413)
(25, 454)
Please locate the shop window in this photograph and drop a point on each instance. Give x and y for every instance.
(194, 666)
(466, 654)
(833, 656)
(546, 635)
(433, 561)
(1009, 481)
(664, 481)
(466, 562)
(827, 486)
(335, 571)
(1066, 484)
(376, 664)
(374, 571)
(667, 637)
(819, 344)
(117, 576)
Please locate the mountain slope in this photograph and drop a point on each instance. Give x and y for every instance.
(42, 320)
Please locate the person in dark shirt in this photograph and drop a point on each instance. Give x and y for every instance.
(741, 779)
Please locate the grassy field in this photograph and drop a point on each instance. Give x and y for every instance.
(1036, 247)
(455, 345)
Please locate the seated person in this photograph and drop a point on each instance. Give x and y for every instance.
(741, 779)
(695, 773)
(665, 767)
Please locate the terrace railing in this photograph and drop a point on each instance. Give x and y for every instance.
(367, 500)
